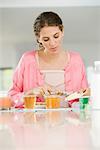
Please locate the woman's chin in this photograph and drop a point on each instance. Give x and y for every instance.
(54, 51)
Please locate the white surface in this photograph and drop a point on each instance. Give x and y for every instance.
(46, 130)
(95, 132)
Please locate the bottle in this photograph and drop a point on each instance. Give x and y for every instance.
(95, 86)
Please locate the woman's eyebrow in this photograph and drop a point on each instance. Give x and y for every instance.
(45, 37)
(48, 37)
(56, 33)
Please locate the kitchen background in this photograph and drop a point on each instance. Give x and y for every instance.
(81, 26)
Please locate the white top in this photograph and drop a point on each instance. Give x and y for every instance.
(53, 77)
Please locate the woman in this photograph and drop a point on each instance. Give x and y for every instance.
(32, 70)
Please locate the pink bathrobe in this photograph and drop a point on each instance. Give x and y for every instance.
(28, 75)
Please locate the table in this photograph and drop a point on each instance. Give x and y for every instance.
(55, 129)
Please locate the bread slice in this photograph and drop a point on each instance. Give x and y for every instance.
(73, 96)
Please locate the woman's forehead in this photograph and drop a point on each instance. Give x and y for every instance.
(49, 30)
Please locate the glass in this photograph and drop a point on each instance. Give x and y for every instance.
(52, 101)
(5, 101)
(29, 101)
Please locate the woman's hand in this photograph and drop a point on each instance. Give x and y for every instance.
(41, 90)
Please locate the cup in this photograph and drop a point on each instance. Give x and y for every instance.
(52, 101)
(29, 101)
(84, 101)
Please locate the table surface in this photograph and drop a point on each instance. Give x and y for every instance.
(57, 129)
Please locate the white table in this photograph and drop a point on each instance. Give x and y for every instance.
(59, 129)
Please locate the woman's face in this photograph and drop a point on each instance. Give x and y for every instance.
(51, 38)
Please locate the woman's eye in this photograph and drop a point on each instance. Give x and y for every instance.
(56, 36)
(46, 39)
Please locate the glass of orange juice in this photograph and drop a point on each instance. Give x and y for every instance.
(5, 101)
(29, 101)
(52, 101)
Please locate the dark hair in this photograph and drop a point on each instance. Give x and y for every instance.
(47, 19)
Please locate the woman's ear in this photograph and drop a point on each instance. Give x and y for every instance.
(38, 40)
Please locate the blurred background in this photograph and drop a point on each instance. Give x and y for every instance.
(81, 21)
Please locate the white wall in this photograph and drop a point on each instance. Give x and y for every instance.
(8, 55)
(88, 51)
(46, 3)
(81, 24)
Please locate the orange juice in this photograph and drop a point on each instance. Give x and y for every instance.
(29, 101)
(52, 101)
(5, 102)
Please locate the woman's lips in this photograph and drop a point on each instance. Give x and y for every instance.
(53, 49)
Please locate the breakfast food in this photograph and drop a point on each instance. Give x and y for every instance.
(72, 96)
(53, 99)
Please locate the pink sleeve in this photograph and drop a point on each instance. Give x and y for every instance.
(75, 73)
(84, 83)
(16, 91)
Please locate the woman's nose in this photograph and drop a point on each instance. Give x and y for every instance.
(52, 42)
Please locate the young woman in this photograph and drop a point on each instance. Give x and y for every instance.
(51, 67)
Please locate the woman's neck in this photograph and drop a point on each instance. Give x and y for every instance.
(54, 56)
(48, 60)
